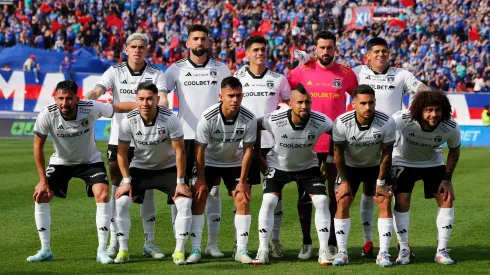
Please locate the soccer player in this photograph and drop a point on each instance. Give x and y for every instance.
(327, 82)
(363, 141)
(124, 78)
(417, 155)
(219, 133)
(158, 163)
(295, 131)
(70, 122)
(263, 89)
(197, 81)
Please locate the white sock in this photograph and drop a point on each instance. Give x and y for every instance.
(42, 215)
(103, 222)
(385, 226)
(113, 242)
(196, 231)
(123, 220)
(342, 229)
(276, 228)
(173, 208)
(213, 214)
(183, 222)
(401, 224)
(367, 216)
(444, 221)
(148, 213)
(242, 225)
(322, 219)
(266, 219)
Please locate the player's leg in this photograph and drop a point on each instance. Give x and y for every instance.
(332, 207)
(274, 181)
(305, 208)
(275, 243)
(213, 217)
(115, 177)
(367, 217)
(148, 212)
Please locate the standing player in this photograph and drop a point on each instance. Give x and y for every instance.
(197, 81)
(158, 163)
(123, 79)
(363, 141)
(295, 131)
(262, 91)
(219, 133)
(327, 82)
(417, 155)
(70, 122)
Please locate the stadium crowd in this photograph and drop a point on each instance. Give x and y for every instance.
(444, 43)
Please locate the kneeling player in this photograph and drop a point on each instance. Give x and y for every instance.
(417, 155)
(70, 122)
(292, 158)
(363, 141)
(158, 163)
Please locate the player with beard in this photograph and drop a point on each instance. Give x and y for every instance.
(327, 82)
(197, 81)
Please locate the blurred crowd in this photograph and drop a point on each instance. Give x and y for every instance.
(445, 43)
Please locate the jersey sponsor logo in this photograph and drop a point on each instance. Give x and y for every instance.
(150, 143)
(309, 83)
(325, 95)
(382, 87)
(226, 140)
(216, 132)
(246, 85)
(124, 81)
(61, 127)
(416, 143)
(139, 133)
(364, 144)
(200, 83)
(188, 74)
(289, 145)
(270, 84)
(161, 131)
(77, 134)
(127, 91)
(368, 77)
(213, 73)
(259, 94)
(337, 83)
(352, 138)
(284, 136)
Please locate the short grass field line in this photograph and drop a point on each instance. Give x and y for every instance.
(74, 236)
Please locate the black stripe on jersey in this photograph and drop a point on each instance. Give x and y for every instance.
(317, 117)
(52, 108)
(381, 116)
(211, 113)
(347, 117)
(85, 103)
(279, 116)
(450, 123)
(153, 67)
(406, 116)
(164, 111)
(133, 113)
(120, 65)
(246, 113)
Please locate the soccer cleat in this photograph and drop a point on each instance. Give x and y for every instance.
(262, 258)
(323, 257)
(275, 249)
(179, 258)
(305, 252)
(213, 251)
(242, 257)
(412, 255)
(112, 250)
(442, 257)
(234, 250)
(368, 250)
(403, 257)
(383, 259)
(41, 256)
(331, 253)
(152, 250)
(194, 257)
(341, 259)
(103, 258)
(122, 257)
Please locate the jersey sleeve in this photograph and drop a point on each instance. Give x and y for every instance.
(251, 133)
(170, 79)
(161, 82)
(339, 136)
(125, 135)
(410, 82)
(397, 117)
(266, 123)
(454, 140)
(43, 124)
(103, 109)
(107, 79)
(202, 132)
(293, 78)
(285, 89)
(175, 130)
(328, 125)
(389, 131)
(351, 80)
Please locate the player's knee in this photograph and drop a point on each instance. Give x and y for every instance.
(101, 192)
(214, 192)
(43, 198)
(123, 204)
(320, 201)
(183, 205)
(269, 201)
(402, 203)
(114, 173)
(304, 199)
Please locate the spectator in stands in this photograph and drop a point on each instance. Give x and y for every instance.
(6, 68)
(479, 83)
(65, 67)
(33, 66)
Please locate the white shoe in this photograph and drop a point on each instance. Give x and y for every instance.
(112, 250)
(41, 256)
(403, 257)
(152, 250)
(442, 257)
(242, 257)
(305, 252)
(213, 251)
(383, 259)
(262, 258)
(275, 249)
(194, 257)
(103, 258)
(341, 259)
(331, 253)
(323, 257)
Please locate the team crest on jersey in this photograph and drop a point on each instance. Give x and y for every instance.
(391, 78)
(270, 84)
(311, 136)
(337, 82)
(213, 73)
(376, 135)
(84, 123)
(161, 131)
(240, 131)
(437, 139)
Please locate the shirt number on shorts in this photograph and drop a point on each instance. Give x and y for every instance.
(396, 171)
(49, 171)
(270, 173)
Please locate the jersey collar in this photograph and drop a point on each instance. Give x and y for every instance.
(152, 122)
(224, 118)
(359, 126)
(133, 73)
(296, 128)
(429, 130)
(199, 66)
(383, 72)
(257, 76)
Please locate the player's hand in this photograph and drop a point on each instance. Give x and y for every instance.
(110, 100)
(243, 188)
(41, 189)
(123, 189)
(303, 57)
(199, 189)
(263, 164)
(182, 190)
(447, 188)
(383, 190)
(343, 190)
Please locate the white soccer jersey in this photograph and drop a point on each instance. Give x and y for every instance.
(124, 81)
(198, 87)
(364, 144)
(223, 137)
(262, 94)
(74, 141)
(153, 143)
(390, 86)
(416, 147)
(293, 145)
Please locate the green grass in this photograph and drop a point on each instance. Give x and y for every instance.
(74, 236)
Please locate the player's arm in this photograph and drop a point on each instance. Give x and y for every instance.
(181, 189)
(339, 159)
(163, 95)
(124, 141)
(42, 187)
(249, 140)
(97, 92)
(384, 168)
(106, 81)
(124, 107)
(201, 142)
(454, 145)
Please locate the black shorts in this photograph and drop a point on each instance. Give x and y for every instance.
(59, 176)
(310, 180)
(164, 180)
(254, 171)
(366, 175)
(404, 179)
(230, 176)
(112, 153)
